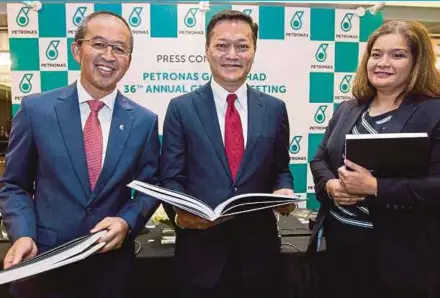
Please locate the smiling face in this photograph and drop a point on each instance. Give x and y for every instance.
(390, 63)
(101, 67)
(230, 53)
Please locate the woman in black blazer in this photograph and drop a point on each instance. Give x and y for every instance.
(382, 234)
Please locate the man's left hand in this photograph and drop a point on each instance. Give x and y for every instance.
(285, 209)
(117, 229)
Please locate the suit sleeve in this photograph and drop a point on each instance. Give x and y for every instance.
(284, 177)
(17, 184)
(319, 166)
(173, 159)
(426, 190)
(139, 209)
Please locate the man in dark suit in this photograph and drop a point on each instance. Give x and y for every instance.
(221, 140)
(72, 152)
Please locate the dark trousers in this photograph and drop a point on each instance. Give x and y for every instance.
(402, 292)
(349, 267)
(106, 275)
(234, 284)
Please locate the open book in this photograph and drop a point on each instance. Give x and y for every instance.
(67, 253)
(389, 154)
(235, 205)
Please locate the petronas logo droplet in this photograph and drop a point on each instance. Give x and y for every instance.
(321, 54)
(346, 22)
(320, 114)
(25, 83)
(79, 15)
(247, 11)
(344, 87)
(135, 17)
(52, 50)
(295, 147)
(190, 18)
(22, 17)
(296, 21)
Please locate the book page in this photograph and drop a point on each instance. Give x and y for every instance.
(174, 198)
(77, 249)
(255, 197)
(243, 207)
(57, 252)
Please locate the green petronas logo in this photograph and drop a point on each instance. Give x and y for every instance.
(135, 17)
(346, 22)
(295, 146)
(25, 83)
(344, 87)
(190, 18)
(79, 15)
(22, 18)
(296, 21)
(52, 50)
(320, 114)
(247, 11)
(321, 54)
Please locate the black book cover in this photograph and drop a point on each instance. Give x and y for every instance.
(389, 154)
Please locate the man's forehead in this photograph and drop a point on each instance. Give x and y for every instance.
(108, 26)
(233, 24)
(232, 28)
(107, 22)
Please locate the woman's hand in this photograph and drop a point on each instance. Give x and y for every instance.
(339, 195)
(357, 180)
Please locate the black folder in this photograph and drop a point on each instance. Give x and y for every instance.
(389, 154)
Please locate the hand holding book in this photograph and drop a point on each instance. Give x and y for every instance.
(22, 249)
(358, 180)
(67, 253)
(238, 204)
(285, 209)
(116, 231)
(186, 220)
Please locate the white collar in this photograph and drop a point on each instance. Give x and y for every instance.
(220, 93)
(83, 96)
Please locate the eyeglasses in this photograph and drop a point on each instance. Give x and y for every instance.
(101, 45)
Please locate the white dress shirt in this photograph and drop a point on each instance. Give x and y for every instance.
(241, 105)
(104, 115)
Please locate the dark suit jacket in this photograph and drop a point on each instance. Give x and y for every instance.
(193, 161)
(404, 213)
(45, 191)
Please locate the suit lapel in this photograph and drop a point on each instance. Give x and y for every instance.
(401, 116)
(396, 125)
(349, 120)
(69, 120)
(205, 107)
(346, 123)
(256, 110)
(120, 129)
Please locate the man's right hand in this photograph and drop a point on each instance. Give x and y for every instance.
(22, 249)
(340, 195)
(186, 220)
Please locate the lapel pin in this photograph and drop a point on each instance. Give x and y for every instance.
(121, 127)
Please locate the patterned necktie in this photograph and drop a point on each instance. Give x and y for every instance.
(234, 142)
(93, 142)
